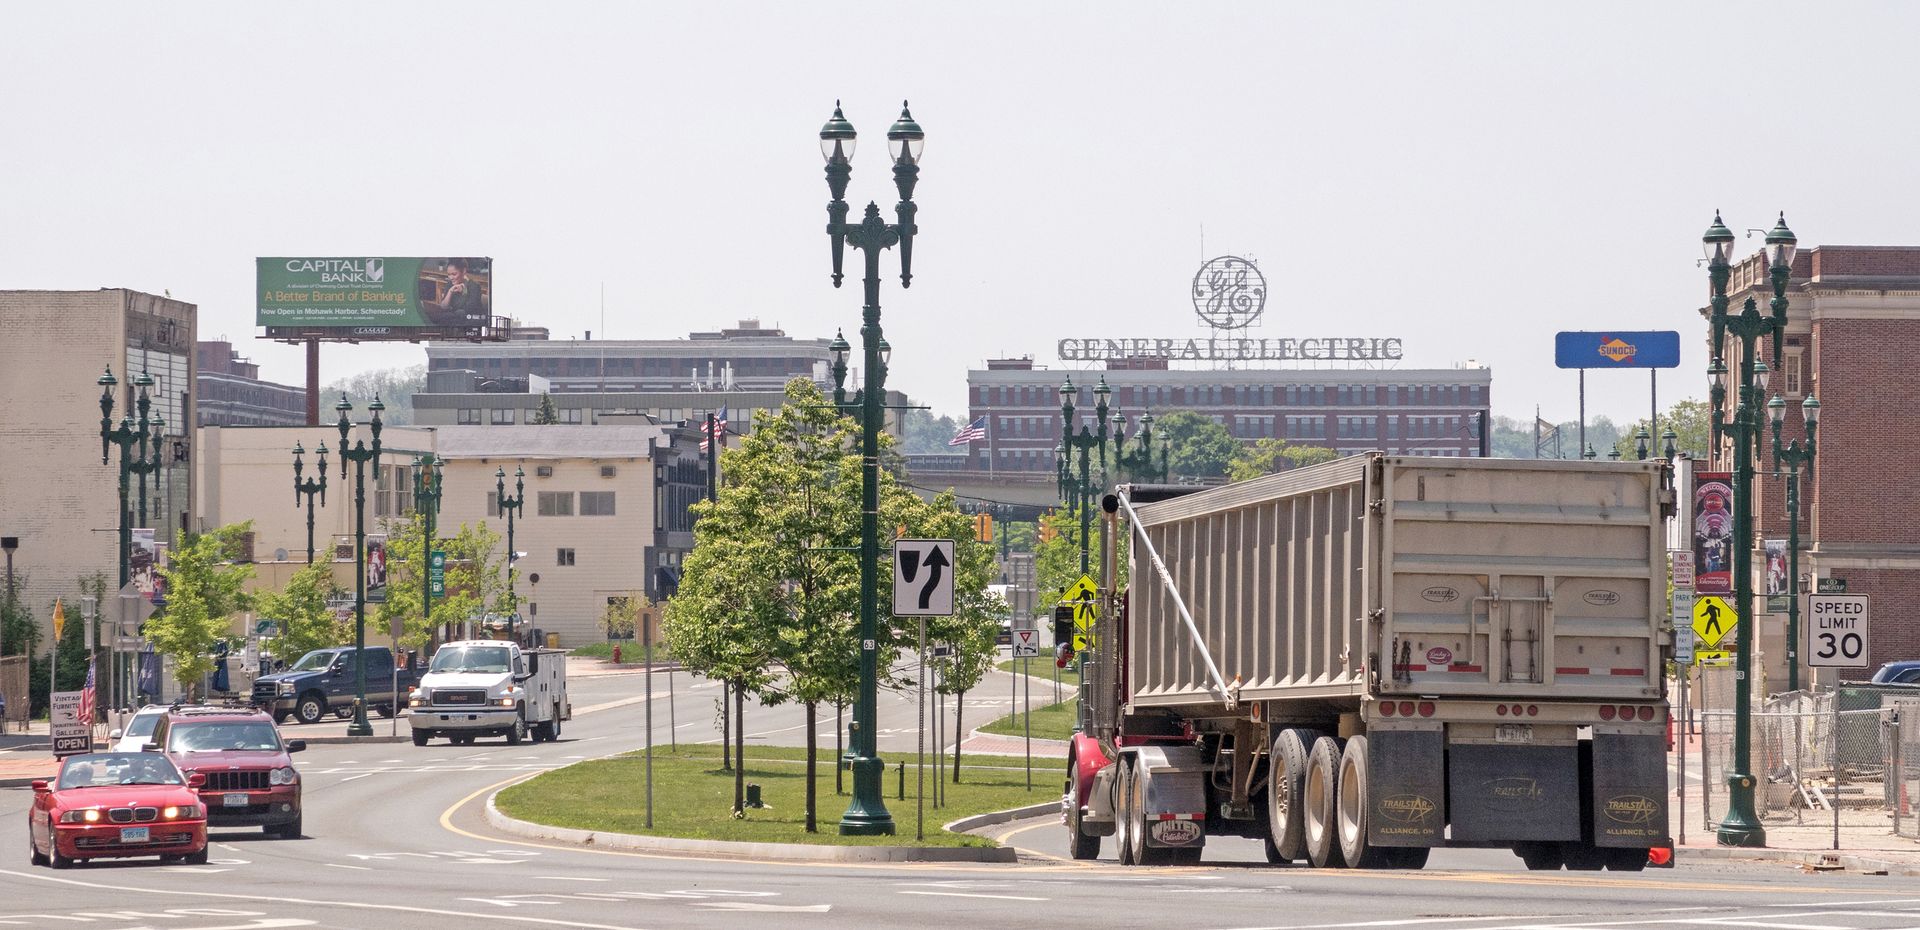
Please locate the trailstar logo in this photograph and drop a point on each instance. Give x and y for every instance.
(1406, 808)
(1602, 598)
(1440, 594)
(1631, 809)
(1618, 349)
(341, 270)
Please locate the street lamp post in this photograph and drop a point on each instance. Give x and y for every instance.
(510, 506)
(867, 814)
(309, 488)
(427, 472)
(1741, 825)
(361, 455)
(132, 432)
(1793, 455)
(1091, 441)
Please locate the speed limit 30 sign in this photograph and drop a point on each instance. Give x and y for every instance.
(1837, 630)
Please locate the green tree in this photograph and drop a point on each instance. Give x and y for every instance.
(1199, 447)
(622, 616)
(1271, 455)
(19, 630)
(924, 433)
(394, 386)
(205, 587)
(475, 580)
(1689, 421)
(1057, 561)
(303, 620)
(1513, 439)
(546, 415)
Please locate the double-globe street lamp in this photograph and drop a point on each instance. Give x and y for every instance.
(1741, 825)
(866, 814)
(427, 472)
(1078, 484)
(361, 455)
(1793, 455)
(140, 431)
(511, 506)
(309, 487)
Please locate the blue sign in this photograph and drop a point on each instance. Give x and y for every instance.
(1656, 349)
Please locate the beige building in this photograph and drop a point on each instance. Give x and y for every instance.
(56, 498)
(605, 512)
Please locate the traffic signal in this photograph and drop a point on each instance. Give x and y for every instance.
(983, 527)
(1047, 532)
(1063, 625)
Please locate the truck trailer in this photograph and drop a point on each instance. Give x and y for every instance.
(1359, 661)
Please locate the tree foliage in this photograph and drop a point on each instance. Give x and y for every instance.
(302, 618)
(1514, 439)
(1688, 419)
(394, 386)
(923, 433)
(476, 581)
(205, 587)
(546, 415)
(1270, 455)
(1198, 446)
(621, 618)
(1057, 561)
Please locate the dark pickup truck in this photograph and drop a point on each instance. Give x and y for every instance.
(323, 681)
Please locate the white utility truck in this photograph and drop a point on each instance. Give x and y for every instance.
(1362, 660)
(490, 687)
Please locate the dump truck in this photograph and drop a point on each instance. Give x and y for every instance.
(1358, 661)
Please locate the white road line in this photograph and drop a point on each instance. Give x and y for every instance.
(959, 894)
(361, 775)
(338, 865)
(570, 878)
(1409, 922)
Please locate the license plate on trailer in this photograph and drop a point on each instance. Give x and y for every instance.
(134, 834)
(1513, 733)
(233, 800)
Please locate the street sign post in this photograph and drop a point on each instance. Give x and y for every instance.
(1683, 636)
(1082, 596)
(1713, 624)
(1837, 630)
(923, 577)
(1682, 568)
(437, 573)
(1026, 644)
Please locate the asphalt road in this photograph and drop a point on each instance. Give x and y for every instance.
(396, 839)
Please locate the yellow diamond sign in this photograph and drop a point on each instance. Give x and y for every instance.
(1081, 596)
(1713, 621)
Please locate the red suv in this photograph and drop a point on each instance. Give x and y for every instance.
(249, 779)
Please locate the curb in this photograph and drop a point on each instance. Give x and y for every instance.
(1849, 861)
(20, 782)
(970, 824)
(350, 740)
(778, 852)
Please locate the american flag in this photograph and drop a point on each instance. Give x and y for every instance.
(719, 429)
(972, 431)
(86, 697)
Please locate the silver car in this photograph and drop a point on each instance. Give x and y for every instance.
(138, 731)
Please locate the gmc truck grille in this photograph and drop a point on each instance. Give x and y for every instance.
(235, 781)
(465, 698)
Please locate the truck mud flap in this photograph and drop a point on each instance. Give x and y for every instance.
(1629, 800)
(1509, 793)
(1405, 788)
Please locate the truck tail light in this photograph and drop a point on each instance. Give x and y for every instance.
(1386, 708)
(1406, 708)
(1533, 710)
(1646, 712)
(1426, 708)
(1606, 711)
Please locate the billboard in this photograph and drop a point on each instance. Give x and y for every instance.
(1713, 532)
(1614, 349)
(373, 298)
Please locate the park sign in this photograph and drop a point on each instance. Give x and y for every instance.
(1617, 349)
(373, 298)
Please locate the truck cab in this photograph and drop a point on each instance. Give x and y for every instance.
(490, 688)
(324, 681)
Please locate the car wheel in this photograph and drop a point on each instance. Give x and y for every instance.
(310, 709)
(342, 713)
(279, 716)
(54, 858)
(519, 731)
(198, 857)
(420, 737)
(553, 726)
(386, 711)
(33, 852)
(286, 831)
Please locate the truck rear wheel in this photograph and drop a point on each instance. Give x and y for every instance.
(311, 707)
(1127, 829)
(1286, 783)
(420, 737)
(1352, 809)
(1321, 797)
(1143, 852)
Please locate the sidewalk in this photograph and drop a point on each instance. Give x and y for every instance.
(1866, 838)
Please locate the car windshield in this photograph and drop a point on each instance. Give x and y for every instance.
(106, 769)
(142, 724)
(471, 659)
(216, 736)
(313, 662)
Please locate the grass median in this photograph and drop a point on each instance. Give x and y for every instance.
(1052, 721)
(693, 797)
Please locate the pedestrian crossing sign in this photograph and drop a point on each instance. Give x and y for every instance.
(1082, 596)
(1713, 621)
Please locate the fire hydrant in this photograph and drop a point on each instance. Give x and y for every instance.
(616, 653)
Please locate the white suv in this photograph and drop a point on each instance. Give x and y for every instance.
(138, 730)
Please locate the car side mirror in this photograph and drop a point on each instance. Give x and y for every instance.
(114, 733)
(338, 670)
(296, 745)
(40, 786)
(150, 747)
(196, 780)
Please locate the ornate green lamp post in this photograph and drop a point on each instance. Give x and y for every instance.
(1077, 483)
(427, 472)
(361, 455)
(309, 488)
(867, 814)
(511, 506)
(1793, 455)
(133, 431)
(1741, 825)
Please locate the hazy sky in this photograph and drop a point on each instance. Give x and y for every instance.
(1468, 177)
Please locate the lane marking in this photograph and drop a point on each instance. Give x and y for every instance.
(570, 878)
(962, 894)
(341, 865)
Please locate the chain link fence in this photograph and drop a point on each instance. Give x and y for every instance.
(1854, 751)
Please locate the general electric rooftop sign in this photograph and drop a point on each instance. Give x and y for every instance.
(1617, 349)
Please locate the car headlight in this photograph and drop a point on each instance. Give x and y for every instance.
(282, 776)
(286, 688)
(182, 812)
(506, 702)
(420, 697)
(90, 815)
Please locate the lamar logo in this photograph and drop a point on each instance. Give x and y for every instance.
(1406, 808)
(1602, 598)
(1631, 809)
(1440, 594)
(1618, 349)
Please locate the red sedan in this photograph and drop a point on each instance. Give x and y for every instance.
(117, 804)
